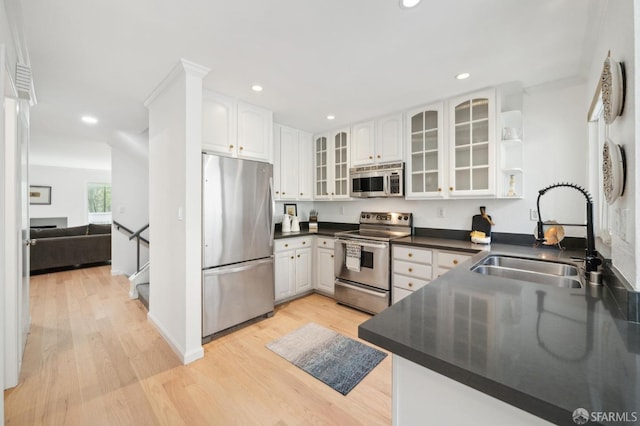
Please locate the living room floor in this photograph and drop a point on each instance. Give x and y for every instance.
(93, 358)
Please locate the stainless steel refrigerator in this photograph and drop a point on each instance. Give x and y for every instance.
(238, 227)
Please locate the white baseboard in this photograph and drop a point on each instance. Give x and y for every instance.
(185, 357)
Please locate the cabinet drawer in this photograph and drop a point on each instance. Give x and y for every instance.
(451, 259)
(413, 254)
(408, 283)
(400, 293)
(292, 243)
(412, 269)
(323, 242)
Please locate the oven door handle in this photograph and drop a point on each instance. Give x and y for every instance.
(364, 290)
(363, 244)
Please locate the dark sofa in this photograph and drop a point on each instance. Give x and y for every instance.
(69, 247)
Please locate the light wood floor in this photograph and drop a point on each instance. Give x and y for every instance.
(93, 358)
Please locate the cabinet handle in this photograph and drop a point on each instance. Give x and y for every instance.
(277, 192)
(230, 146)
(298, 255)
(378, 156)
(332, 193)
(410, 284)
(410, 255)
(283, 192)
(286, 245)
(326, 193)
(370, 157)
(241, 148)
(439, 189)
(332, 256)
(410, 269)
(455, 261)
(292, 257)
(324, 242)
(301, 193)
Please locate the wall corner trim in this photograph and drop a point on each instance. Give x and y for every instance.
(185, 357)
(183, 66)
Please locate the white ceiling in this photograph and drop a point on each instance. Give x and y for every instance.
(356, 59)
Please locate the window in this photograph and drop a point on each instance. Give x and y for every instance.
(99, 202)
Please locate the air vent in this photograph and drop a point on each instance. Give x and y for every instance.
(23, 81)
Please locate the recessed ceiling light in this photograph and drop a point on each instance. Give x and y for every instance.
(89, 119)
(408, 4)
(256, 88)
(331, 117)
(463, 76)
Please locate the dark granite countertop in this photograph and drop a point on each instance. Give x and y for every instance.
(544, 349)
(324, 230)
(441, 243)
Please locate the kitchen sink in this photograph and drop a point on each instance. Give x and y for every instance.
(538, 271)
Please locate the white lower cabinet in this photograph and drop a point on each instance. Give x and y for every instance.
(412, 268)
(292, 267)
(325, 274)
(448, 260)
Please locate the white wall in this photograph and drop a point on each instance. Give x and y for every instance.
(617, 34)
(63, 151)
(175, 155)
(555, 140)
(129, 199)
(68, 191)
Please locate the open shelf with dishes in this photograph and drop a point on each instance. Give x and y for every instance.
(511, 155)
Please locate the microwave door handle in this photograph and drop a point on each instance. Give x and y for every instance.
(386, 185)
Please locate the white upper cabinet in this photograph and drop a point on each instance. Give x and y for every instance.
(378, 141)
(341, 164)
(236, 129)
(305, 166)
(424, 172)
(472, 142)
(389, 146)
(254, 132)
(292, 164)
(363, 143)
(332, 162)
(219, 123)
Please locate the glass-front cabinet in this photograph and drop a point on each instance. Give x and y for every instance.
(322, 166)
(472, 144)
(341, 163)
(424, 172)
(332, 165)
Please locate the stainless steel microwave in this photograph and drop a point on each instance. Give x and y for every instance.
(383, 180)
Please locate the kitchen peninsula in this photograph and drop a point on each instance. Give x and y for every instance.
(471, 345)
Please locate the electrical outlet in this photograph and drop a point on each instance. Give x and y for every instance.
(441, 212)
(533, 215)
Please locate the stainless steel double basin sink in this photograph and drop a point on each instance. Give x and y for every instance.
(540, 271)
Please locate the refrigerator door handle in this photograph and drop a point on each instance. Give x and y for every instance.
(273, 211)
(237, 268)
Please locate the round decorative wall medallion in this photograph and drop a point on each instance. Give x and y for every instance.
(612, 89)
(613, 171)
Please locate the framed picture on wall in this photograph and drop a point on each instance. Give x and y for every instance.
(291, 209)
(39, 194)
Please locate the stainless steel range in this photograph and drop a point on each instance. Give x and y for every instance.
(363, 260)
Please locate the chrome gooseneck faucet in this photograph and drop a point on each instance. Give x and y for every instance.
(591, 260)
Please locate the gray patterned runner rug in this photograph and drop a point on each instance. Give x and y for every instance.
(330, 357)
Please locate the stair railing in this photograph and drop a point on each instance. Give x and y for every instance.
(138, 238)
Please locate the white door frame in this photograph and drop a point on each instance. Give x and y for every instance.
(2, 210)
(16, 319)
